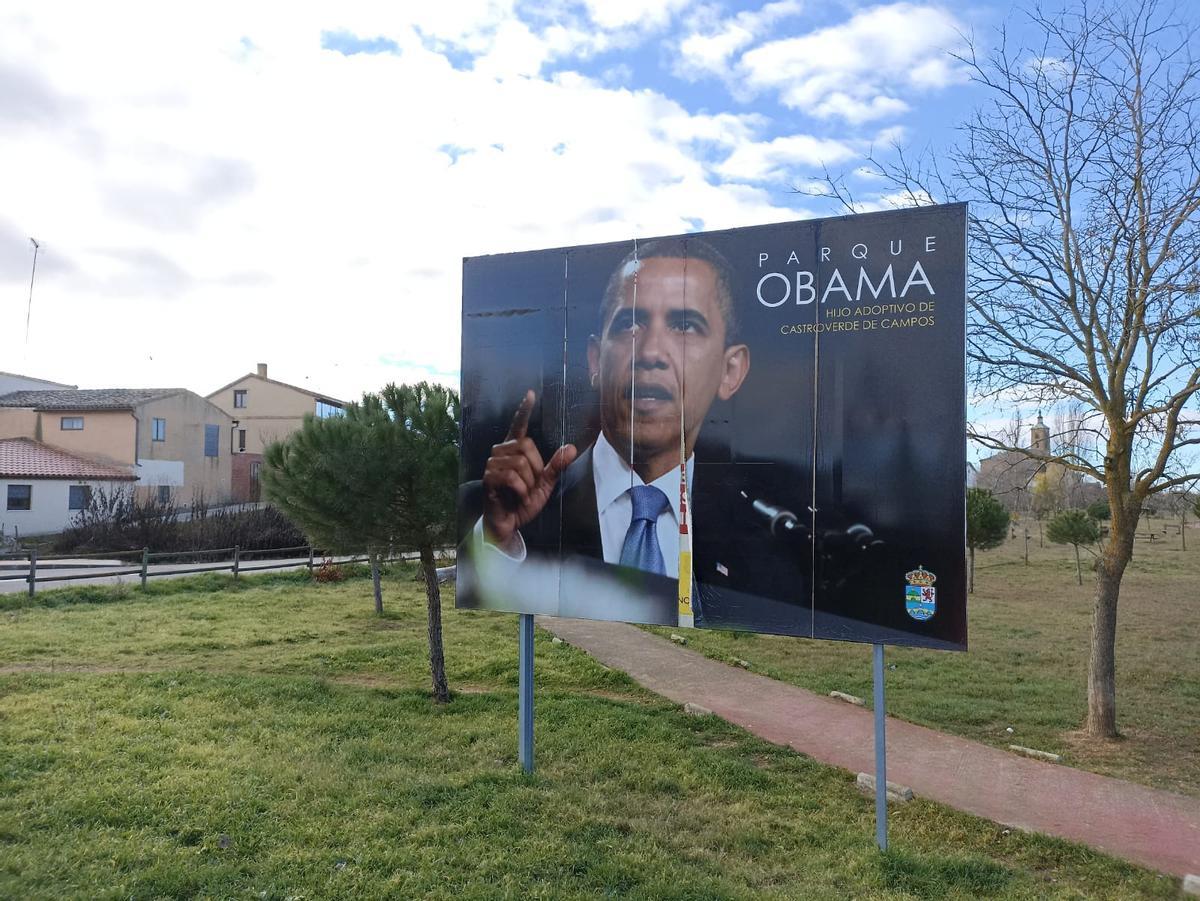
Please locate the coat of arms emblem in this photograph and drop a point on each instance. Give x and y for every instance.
(920, 597)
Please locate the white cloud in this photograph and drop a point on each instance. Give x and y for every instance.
(778, 158)
(613, 14)
(708, 52)
(214, 189)
(858, 69)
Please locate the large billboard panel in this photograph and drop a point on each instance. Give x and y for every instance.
(776, 412)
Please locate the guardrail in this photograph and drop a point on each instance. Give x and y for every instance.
(311, 558)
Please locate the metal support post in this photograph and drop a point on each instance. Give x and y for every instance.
(32, 570)
(145, 565)
(880, 754)
(310, 559)
(525, 694)
(237, 559)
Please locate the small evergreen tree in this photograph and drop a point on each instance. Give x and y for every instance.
(1098, 510)
(1074, 527)
(987, 526)
(381, 477)
(331, 476)
(426, 481)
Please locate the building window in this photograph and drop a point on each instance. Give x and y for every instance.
(20, 497)
(325, 409)
(79, 497)
(71, 423)
(159, 430)
(241, 440)
(239, 399)
(255, 469)
(212, 440)
(164, 494)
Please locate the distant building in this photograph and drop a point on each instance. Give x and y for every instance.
(265, 410)
(10, 381)
(174, 443)
(42, 487)
(1017, 478)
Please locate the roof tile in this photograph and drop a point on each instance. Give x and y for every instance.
(85, 399)
(24, 458)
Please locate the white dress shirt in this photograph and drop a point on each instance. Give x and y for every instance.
(613, 478)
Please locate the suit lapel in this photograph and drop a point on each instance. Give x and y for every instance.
(580, 519)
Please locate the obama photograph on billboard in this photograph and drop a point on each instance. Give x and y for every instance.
(638, 411)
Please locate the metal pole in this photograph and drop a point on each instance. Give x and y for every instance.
(525, 694)
(237, 555)
(880, 754)
(32, 570)
(29, 307)
(145, 564)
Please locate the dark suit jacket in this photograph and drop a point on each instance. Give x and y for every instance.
(745, 578)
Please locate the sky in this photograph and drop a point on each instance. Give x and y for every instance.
(219, 185)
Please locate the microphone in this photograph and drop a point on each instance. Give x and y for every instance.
(783, 523)
(780, 522)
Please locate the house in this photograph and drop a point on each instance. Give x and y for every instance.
(10, 381)
(174, 443)
(42, 487)
(263, 411)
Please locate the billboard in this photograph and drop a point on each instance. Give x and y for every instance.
(760, 429)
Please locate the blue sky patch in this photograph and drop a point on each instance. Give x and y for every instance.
(348, 44)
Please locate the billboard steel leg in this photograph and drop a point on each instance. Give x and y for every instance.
(525, 694)
(880, 754)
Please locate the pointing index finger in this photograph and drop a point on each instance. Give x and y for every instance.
(520, 423)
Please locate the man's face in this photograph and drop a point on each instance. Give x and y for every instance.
(640, 361)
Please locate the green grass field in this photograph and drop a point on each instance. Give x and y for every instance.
(1027, 664)
(274, 739)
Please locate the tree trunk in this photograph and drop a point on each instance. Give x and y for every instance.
(1102, 665)
(1102, 669)
(971, 571)
(433, 598)
(1078, 568)
(1183, 531)
(376, 583)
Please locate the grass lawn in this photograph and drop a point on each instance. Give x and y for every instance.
(274, 739)
(1029, 631)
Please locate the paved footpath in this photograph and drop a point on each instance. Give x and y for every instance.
(1156, 829)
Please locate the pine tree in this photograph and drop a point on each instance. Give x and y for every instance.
(380, 478)
(1074, 527)
(987, 526)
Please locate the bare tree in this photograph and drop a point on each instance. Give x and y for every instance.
(1082, 168)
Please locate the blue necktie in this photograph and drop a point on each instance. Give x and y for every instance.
(641, 549)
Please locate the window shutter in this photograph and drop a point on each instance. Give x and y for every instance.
(212, 440)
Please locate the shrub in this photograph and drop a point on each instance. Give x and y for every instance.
(120, 520)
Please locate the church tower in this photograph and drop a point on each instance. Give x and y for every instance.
(1039, 436)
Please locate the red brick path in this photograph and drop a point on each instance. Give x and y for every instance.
(1153, 828)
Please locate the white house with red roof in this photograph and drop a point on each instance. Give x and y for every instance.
(42, 487)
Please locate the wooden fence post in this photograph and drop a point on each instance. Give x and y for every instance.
(237, 559)
(145, 565)
(310, 559)
(32, 570)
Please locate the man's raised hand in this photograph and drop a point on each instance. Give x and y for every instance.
(516, 483)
